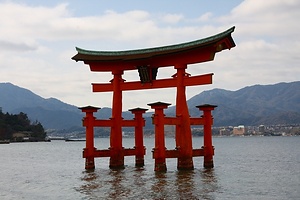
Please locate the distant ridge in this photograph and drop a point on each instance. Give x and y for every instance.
(252, 105)
(51, 112)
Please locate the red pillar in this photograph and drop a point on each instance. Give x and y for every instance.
(138, 136)
(89, 150)
(116, 148)
(159, 151)
(208, 147)
(183, 133)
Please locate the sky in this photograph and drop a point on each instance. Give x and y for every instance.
(38, 40)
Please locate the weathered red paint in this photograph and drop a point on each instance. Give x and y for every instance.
(88, 122)
(208, 147)
(90, 152)
(148, 61)
(116, 147)
(139, 141)
(155, 84)
(159, 151)
(183, 134)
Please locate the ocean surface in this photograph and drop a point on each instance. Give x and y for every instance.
(245, 168)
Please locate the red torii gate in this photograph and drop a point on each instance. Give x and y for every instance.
(147, 62)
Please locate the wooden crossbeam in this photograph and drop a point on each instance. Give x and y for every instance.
(161, 83)
(174, 153)
(107, 152)
(109, 123)
(197, 121)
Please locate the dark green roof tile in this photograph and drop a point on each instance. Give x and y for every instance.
(82, 53)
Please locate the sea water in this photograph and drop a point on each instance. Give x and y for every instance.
(245, 168)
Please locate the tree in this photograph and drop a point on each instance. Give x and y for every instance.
(10, 124)
(37, 130)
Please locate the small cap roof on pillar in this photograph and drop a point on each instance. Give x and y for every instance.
(159, 104)
(138, 109)
(89, 108)
(203, 106)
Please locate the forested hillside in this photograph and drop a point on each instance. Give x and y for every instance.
(16, 127)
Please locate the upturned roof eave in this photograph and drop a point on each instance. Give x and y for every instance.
(89, 55)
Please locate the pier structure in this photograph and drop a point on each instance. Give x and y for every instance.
(147, 62)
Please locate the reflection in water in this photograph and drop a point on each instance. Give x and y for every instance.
(90, 183)
(118, 188)
(159, 188)
(197, 184)
(185, 184)
(209, 184)
(143, 183)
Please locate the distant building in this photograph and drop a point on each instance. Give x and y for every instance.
(261, 129)
(224, 131)
(21, 136)
(239, 130)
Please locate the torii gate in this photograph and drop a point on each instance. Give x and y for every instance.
(147, 62)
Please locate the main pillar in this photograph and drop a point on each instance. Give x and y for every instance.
(183, 133)
(159, 151)
(116, 148)
(208, 147)
(138, 136)
(89, 150)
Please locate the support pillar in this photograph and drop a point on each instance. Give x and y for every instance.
(183, 133)
(138, 136)
(116, 148)
(89, 150)
(159, 151)
(208, 147)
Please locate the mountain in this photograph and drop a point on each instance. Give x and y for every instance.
(51, 112)
(252, 105)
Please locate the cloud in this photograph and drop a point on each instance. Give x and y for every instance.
(137, 27)
(172, 18)
(266, 18)
(267, 42)
(22, 22)
(39, 42)
(12, 46)
(205, 17)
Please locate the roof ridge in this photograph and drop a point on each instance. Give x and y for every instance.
(157, 49)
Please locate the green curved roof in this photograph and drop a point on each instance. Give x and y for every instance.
(84, 55)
